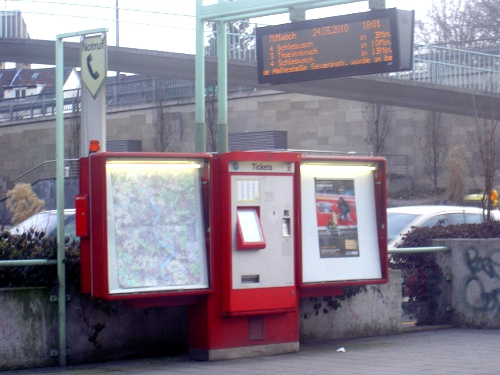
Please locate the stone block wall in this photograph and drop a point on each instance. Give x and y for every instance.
(312, 123)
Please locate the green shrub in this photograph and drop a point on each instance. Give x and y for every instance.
(421, 237)
(35, 246)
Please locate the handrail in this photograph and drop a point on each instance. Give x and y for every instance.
(429, 249)
(39, 165)
(28, 262)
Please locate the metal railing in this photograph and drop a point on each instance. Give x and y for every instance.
(38, 106)
(453, 67)
(123, 94)
(147, 91)
(469, 64)
(433, 64)
(429, 249)
(47, 169)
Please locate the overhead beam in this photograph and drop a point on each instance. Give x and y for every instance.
(242, 9)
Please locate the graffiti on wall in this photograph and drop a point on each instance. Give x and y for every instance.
(482, 288)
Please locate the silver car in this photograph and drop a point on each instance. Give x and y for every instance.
(46, 221)
(400, 220)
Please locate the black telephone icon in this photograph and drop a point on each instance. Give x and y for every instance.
(94, 75)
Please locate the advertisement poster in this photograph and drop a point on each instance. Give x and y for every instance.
(336, 216)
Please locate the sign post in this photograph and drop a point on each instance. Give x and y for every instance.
(61, 272)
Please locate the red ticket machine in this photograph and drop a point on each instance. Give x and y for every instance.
(343, 236)
(143, 219)
(254, 308)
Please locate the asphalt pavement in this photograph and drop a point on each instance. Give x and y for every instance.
(429, 352)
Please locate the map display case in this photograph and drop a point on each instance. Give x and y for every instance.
(148, 225)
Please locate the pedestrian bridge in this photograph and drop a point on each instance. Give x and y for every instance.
(444, 80)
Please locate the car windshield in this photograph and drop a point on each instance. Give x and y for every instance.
(396, 221)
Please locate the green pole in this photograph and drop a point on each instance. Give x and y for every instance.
(222, 137)
(61, 271)
(199, 86)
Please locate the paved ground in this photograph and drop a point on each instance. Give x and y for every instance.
(447, 351)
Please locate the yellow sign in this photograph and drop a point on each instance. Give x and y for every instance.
(94, 62)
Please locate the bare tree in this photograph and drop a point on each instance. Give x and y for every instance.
(73, 148)
(457, 171)
(211, 118)
(378, 126)
(434, 147)
(484, 140)
(460, 21)
(163, 127)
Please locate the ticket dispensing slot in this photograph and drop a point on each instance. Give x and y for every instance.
(286, 224)
(250, 279)
(250, 233)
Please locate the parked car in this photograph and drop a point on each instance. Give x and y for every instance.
(400, 220)
(46, 221)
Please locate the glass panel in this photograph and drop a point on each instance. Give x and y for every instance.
(156, 238)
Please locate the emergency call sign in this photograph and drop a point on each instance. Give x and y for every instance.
(378, 41)
(93, 59)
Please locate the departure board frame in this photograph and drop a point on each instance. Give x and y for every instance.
(378, 41)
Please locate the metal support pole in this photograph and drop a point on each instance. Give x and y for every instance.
(199, 129)
(61, 271)
(222, 137)
(118, 45)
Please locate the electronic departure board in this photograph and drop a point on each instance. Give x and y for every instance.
(378, 41)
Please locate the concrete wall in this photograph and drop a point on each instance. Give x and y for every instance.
(28, 328)
(372, 313)
(312, 123)
(96, 331)
(474, 267)
(100, 331)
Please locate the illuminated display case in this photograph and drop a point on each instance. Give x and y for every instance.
(148, 225)
(343, 237)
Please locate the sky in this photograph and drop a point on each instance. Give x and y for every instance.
(166, 25)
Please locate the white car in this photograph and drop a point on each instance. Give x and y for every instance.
(46, 222)
(400, 220)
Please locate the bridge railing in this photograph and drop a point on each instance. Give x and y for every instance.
(35, 106)
(453, 67)
(433, 64)
(153, 91)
